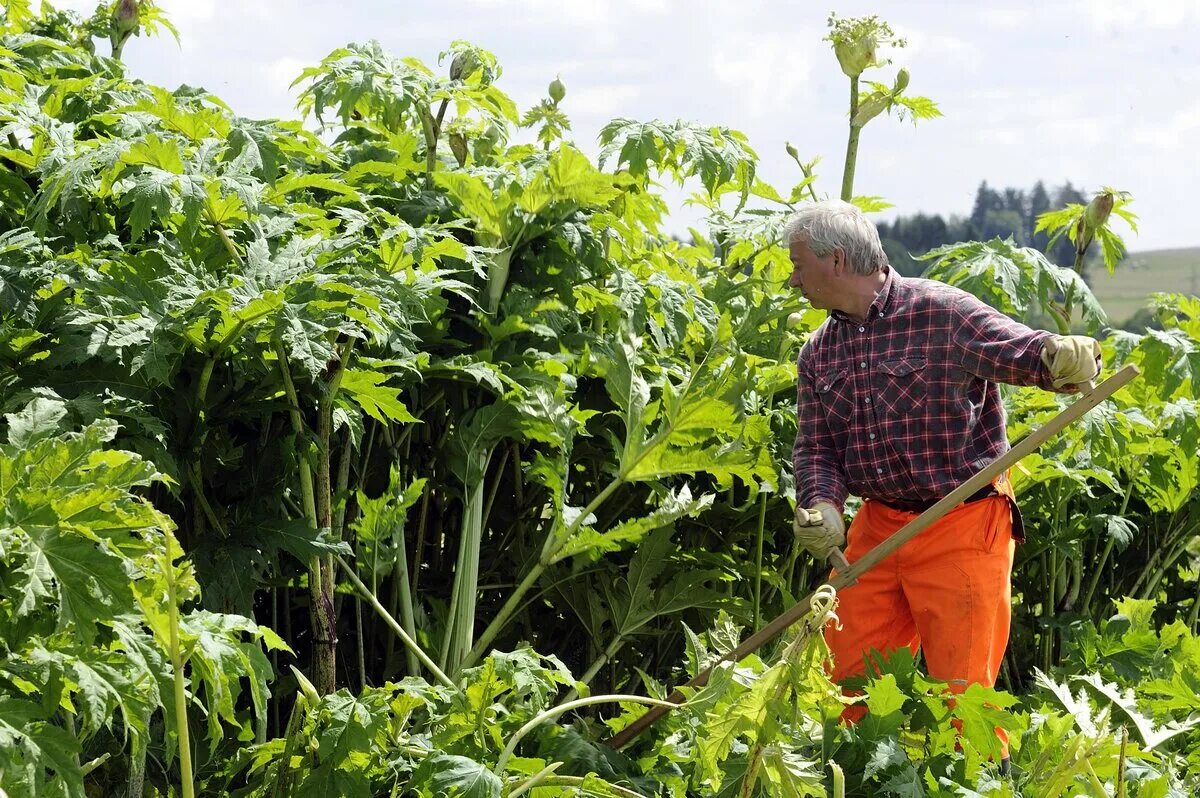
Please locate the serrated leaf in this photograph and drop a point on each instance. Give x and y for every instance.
(453, 776)
(37, 420)
(367, 390)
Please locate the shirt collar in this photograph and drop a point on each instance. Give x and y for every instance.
(883, 297)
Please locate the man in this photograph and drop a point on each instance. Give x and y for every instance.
(898, 403)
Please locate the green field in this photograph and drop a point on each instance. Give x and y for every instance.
(1144, 273)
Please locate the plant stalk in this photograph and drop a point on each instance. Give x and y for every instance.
(554, 712)
(187, 787)
(396, 627)
(851, 145)
(549, 549)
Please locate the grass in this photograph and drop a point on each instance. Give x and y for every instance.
(1144, 273)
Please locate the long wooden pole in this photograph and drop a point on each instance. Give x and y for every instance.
(1023, 448)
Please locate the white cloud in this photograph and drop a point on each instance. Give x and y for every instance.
(1178, 134)
(605, 101)
(1006, 18)
(940, 49)
(282, 71)
(1127, 14)
(767, 71)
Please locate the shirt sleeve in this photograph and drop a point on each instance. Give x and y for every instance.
(993, 346)
(818, 469)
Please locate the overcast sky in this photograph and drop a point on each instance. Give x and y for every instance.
(1102, 92)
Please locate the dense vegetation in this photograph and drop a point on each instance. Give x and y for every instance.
(353, 464)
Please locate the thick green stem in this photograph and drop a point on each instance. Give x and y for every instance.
(342, 490)
(1174, 553)
(307, 496)
(202, 384)
(554, 712)
(851, 144)
(502, 618)
(552, 546)
(461, 629)
(1072, 596)
(1094, 581)
(137, 770)
(535, 779)
(758, 559)
(1048, 609)
(226, 241)
(319, 614)
(282, 782)
(605, 657)
(391, 621)
(187, 787)
(575, 785)
(323, 612)
(402, 586)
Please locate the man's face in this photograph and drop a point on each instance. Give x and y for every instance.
(815, 277)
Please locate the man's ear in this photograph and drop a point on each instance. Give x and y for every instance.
(839, 262)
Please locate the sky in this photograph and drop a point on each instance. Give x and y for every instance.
(1101, 93)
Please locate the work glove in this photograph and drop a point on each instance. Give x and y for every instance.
(819, 529)
(1071, 359)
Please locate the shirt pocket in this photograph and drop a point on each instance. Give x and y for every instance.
(836, 395)
(901, 387)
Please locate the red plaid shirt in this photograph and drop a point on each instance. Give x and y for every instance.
(905, 405)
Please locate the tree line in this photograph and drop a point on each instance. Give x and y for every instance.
(995, 213)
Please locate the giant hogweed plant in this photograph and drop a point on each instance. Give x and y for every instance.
(106, 653)
(479, 374)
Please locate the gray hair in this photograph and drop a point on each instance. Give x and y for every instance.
(834, 224)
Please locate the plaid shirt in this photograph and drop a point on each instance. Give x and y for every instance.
(905, 405)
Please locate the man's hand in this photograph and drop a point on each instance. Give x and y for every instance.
(819, 529)
(1071, 359)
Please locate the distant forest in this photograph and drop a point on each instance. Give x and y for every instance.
(1008, 212)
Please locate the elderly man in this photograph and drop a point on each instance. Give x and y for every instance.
(898, 403)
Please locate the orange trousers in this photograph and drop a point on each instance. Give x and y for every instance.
(946, 592)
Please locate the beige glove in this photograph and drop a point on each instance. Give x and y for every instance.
(1071, 359)
(819, 529)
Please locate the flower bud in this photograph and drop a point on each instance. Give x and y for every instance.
(557, 90)
(126, 16)
(855, 55)
(458, 146)
(307, 691)
(870, 109)
(794, 320)
(1098, 209)
(901, 81)
(792, 151)
(463, 65)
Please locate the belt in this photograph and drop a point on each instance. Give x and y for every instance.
(922, 505)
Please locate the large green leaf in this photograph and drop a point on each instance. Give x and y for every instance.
(452, 776)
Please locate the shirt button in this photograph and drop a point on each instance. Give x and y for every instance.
(867, 400)
(862, 329)
(862, 365)
(872, 436)
(878, 470)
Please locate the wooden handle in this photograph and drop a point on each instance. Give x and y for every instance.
(838, 558)
(850, 575)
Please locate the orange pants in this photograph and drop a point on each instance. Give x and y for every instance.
(947, 592)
